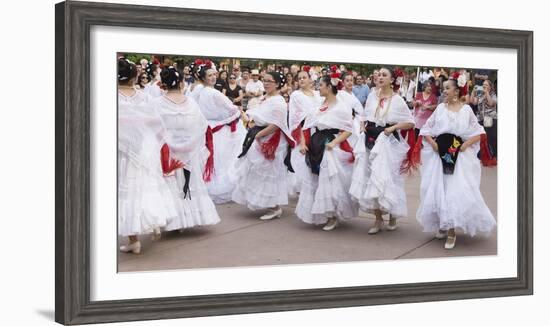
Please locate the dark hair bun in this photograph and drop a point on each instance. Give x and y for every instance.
(126, 69)
(170, 78)
(279, 78)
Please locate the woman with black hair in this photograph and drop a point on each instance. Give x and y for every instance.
(184, 154)
(450, 196)
(152, 88)
(224, 135)
(324, 197)
(302, 103)
(193, 89)
(261, 170)
(144, 201)
(143, 80)
(221, 80)
(382, 154)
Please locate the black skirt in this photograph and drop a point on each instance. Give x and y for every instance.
(448, 148)
(316, 149)
(372, 131)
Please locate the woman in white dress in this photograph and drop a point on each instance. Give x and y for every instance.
(382, 154)
(225, 135)
(303, 102)
(261, 173)
(324, 197)
(184, 155)
(193, 89)
(450, 196)
(144, 202)
(152, 88)
(346, 95)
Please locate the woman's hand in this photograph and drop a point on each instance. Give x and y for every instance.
(388, 131)
(329, 146)
(303, 149)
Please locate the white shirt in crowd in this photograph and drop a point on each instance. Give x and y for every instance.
(255, 87)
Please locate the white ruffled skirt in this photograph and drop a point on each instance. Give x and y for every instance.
(144, 201)
(453, 200)
(197, 209)
(227, 147)
(377, 183)
(262, 183)
(326, 195)
(295, 179)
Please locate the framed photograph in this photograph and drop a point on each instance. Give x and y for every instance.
(213, 162)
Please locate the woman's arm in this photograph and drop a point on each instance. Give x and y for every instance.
(432, 142)
(238, 99)
(398, 126)
(338, 140)
(490, 101)
(469, 142)
(303, 146)
(271, 128)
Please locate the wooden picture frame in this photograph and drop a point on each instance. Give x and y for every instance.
(72, 191)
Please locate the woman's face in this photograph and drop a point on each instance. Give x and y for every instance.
(348, 82)
(143, 80)
(486, 86)
(375, 75)
(210, 78)
(428, 88)
(186, 70)
(223, 75)
(324, 88)
(246, 75)
(269, 84)
(289, 78)
(449, 89)
(232, 79)
(303, 80)
(384, 78)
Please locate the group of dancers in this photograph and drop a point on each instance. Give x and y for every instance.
(183, 149)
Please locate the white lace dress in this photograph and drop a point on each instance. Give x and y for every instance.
(185, 136)
(377, 181)
(227, 140)
(262, 182)
(326, 195)
(453, 200)
(144, 201)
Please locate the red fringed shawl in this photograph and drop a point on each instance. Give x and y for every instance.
(209, 167)
(269, 147)
(408, 165)
(168, 164)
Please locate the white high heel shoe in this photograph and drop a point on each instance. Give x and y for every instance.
(331, 224)
(377, 227)
(134, 247)
(450, 243)
(271, 214)
(392, 225)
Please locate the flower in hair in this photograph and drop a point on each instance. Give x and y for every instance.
(306, 68)
(333, 68)
(335, 79)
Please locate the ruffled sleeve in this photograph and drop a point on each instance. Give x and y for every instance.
(473, 127)
(428, 128)
(400, 112)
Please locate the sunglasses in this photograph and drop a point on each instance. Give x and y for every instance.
(232, 77)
